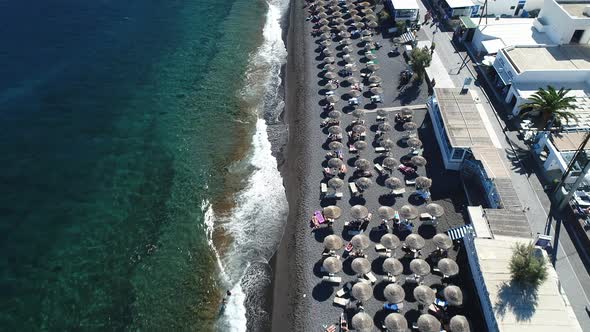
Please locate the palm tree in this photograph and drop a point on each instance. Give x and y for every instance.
(552, 104)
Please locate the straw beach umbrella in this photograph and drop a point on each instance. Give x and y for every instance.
(339, 20)
(330, 67)
(394, 293)
(334, 114)
(359, 129)
(377, 90)
(407, 112)
(390, 162)
(363, 183)
(448, 267)
(362, 291)
(323, 21)
(453, 295)
(393, 183)
(358, 25)
(418, 161)
(335, 163)
(386, 212)
(335, 183)
(371, 56)
(359, 211)
(349, 58)
(362, 164)
(360, 242)
(367, 33)
(330, 75)
(384, 126)
(333, 99)
(424, 295)
(415, 241)
(330, 86)
(329, 59)
(459, 323)
(326, 36)
(344, 34)
(347, 50)
(325, 28)
(409, 126)
(335, 130)
(372, 24)
(387, 144)
(333, 242)
(322, 13)
(356, 18)
(390, 241)
(396, 323)
(361, 265)
(346, 41)
(358, 113)
(435, 210)
(352, 80)
(408, 212)
(362, 322)
(442, 241)
(393, 266)
(341, 27)
(428, 323)
(420, 267)
(360, 145)
(373, 67)
(369, 15)
(354, 93)
(375, 79)
(335, 146)
(414, 142)
(332, 265)
(423, 182)
(332, 212)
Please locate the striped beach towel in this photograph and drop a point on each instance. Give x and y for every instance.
(458, 233)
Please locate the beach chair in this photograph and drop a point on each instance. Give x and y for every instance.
(380, 169)
(323, 188)
(390, 278)
(418, 152)
(352, 149)
(334, 195)
(398, 192)
(332, 279)
(426, 216)
(371, 277)
(342, 291)
(353, 189)
(341, 302)
(411, 182)
(381, 118)
(380, 149)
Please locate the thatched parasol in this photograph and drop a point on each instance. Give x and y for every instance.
(334, 114)
(325, 43)
(335, 146)
(347, 50)
(393, 183)
(407, 112)
(332, 265)
(381, 112)
(369, 15)
(325, 28)
(356, 18)
(361, 265)
(367, 38)
(358, 25)
(323, 21)
(420, 267)
(360, 145)
(362, 322)
(442, 241)
(344, 34)
(326, 36)
(414, 142)
(423, 182)
(384, 126)
(332, 212)
(408, 212)
(363, 183)
(333, 242)
(390, 162)
(359, 211)
(410, 126)
(330, 75)
(386, 212)
(415, 241)
(337, 14)
(435, 209)
(396, 323)
(339, 20)
(362, 164)
(333, 99)
(354, 93)
(377, 90)
(352, 80)
(459, 323)
(359, 128)
(362, 291)
(390, 241)
(341, 27)
(418, 161)
(335, 183)
(428, 323)
(329, 59)
(360, 242)
(372, 24)
(349, 58)
(364, 4)
(453, 295)
(335, 130)
(448, 267)
(358, 113)
(393, 266)
(329, 67)
(372, 67)
(424, 295)
(394, 293)
(335, 163)
(346, 41)
(330, 86)
(322, 13)
(375, 79)
(387, 143)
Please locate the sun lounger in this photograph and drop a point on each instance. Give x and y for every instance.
(411, 182)
(398, 192)
(323, 188)
(380, 149)
(426, 216)
(319, 217)
(335, 280)
(418, 152)
(381, 118)
(341, 302)
(371, 277)
(353, 189)
(352, 149)
(342, 291)
(334, 195)
(380, 247)
(380, 169)
(390, 278)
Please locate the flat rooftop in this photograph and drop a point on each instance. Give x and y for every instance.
(515, 308)
(564, 57)
(405, 4)
(462, 121)
(513, 31)
(575, 9)
(567, 141)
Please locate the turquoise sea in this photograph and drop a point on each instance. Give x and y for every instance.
(132, 157)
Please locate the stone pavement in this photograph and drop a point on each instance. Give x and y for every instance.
(573, 275)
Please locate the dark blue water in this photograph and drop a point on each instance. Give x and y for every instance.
(114, 128)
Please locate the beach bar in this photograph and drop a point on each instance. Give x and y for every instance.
(404, 10)
(456, 8)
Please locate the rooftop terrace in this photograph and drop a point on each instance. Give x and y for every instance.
(564, 57)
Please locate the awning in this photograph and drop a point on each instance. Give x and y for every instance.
(502, 73)
(492, 46)
(467, 22)
(405, 4)
(459, 3)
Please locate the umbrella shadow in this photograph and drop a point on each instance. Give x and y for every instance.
(387, 200)
(322, 291)
(370, 106)
(427, 231)
(357, 200)
(405, 260)
(377, 265)
(416, 199)
(347, 266)
(518, 299)
(321, 233)
(378, 290)
(317, 268)
(379, 318)
(412, 315)
(374, 127)
(376, 233)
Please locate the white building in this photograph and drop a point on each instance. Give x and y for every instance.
(403, 10)
(565, 23)
(494, 34)
(507, 8)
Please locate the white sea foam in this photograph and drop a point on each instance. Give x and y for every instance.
(257, 221)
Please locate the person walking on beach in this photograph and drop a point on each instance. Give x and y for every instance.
(227, 295)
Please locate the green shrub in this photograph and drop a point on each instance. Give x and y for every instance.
(527, 266)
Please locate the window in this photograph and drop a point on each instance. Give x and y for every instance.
(512, 7)
(458, 154)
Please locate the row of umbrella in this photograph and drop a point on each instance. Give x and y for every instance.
(360, 211)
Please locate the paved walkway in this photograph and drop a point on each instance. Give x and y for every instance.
(573, 276)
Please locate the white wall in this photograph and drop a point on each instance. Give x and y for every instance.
(561, 26)
(553, 76)
(502, 7)
(533, 4)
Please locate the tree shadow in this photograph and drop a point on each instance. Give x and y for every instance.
(410, 93)
(517, 298)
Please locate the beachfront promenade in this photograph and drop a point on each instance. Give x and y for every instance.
(315, 308)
